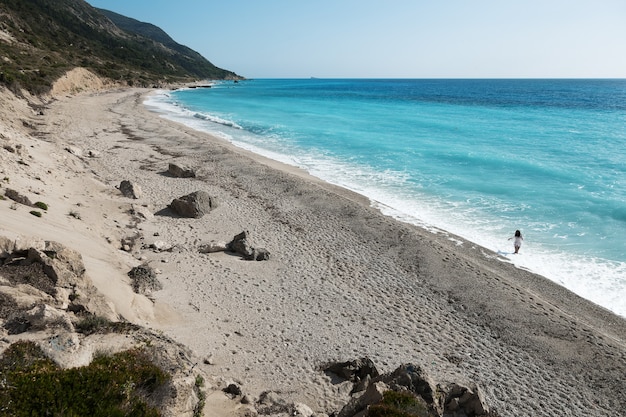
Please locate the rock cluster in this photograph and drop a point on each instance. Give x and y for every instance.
(419, 395)
(445, 399)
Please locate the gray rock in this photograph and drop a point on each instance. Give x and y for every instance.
(242, 246)
(373, 395)
(141, 213)
(456, 399)
(194, 205)
(212, 247)
(180, 171)
(62, 265)
(160, 246)
(413, 378)
(55, 276)
(7, 246)
(130, 190)
(44, 316)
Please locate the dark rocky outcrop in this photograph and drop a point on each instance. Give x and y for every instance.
(446, 399)
(17, 197)
(194, 205)
(242, 246)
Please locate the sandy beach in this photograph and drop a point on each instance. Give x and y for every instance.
(342, 282)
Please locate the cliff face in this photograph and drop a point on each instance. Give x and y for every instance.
(42, 39)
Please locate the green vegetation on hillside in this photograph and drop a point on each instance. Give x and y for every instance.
(42, 39)
(116, 385)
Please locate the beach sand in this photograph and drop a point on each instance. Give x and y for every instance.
(343, 281)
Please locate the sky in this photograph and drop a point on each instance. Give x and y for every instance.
(396, 38)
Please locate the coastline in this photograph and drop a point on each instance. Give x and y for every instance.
(433, 188)
(343, 280)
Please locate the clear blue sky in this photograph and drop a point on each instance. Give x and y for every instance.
(396, 38)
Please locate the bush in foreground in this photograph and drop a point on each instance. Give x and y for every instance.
(116, 385)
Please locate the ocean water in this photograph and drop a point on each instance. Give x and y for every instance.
(477, 158)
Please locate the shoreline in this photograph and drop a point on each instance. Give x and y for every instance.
(344, 281)
(364, 200)
(586, 270)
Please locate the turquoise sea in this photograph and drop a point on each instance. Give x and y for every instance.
(478, 158)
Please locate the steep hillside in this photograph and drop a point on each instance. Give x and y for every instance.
(42, 39)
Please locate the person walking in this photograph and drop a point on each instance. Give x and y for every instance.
(517, 240)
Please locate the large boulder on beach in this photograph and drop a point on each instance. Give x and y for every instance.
(180, 171)
(194, 205)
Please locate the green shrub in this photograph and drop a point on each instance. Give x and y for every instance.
(110, 386)
(35, 213)
(197, 412)
(91, 324)
(399, 404)
(41, 205)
